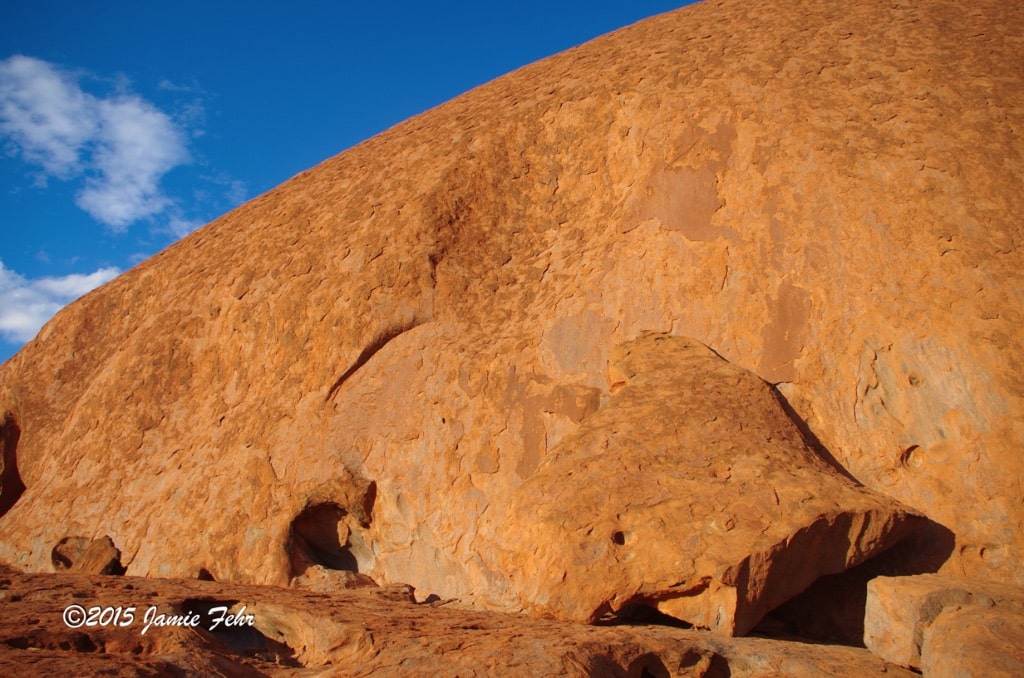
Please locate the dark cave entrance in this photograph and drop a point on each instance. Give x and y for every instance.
(319, 536)
(11, 485)
(328, 536)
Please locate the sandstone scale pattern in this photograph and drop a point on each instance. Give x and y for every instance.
(364, 367)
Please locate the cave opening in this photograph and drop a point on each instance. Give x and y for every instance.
(328, 536)
(11, 485)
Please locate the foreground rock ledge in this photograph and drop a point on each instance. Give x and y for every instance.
(362, 633)
(691, 491)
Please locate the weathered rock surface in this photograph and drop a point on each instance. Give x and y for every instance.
(366, 632)
(386, 348)
(693, 452)
(900, 610)
(974, 640)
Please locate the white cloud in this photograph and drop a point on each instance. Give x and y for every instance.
(45, 114)
(123, 144)
(25, 305)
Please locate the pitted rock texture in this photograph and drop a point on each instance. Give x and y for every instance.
(826, 194)
(693, 452)
(369, 632)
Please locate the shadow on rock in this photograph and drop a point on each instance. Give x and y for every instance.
(832, 609)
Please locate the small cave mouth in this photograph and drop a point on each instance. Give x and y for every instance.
(76, 642)
(11, 485)
(328, 536)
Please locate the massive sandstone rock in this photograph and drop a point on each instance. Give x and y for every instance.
(365, 367)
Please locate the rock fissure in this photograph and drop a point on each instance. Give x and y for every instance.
(381, 340)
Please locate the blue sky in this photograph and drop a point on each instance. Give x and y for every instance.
(125, 125)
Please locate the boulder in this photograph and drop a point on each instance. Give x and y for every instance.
(319, 578)
(87, 556)
(690, 492)
(900, 610)
(974, 640)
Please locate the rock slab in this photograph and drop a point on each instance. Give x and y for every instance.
(974, 640)
(901, 612)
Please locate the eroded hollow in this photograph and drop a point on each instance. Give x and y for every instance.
(640, 613)
(226, 623)
(327, 535)
(11, 486)
(649, 665)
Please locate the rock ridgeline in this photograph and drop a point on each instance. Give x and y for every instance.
(454, 356)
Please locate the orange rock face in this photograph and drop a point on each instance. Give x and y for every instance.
(364, 368)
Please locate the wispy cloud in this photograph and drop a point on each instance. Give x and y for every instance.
(25, 305)
(122, 144)
(179, 226)
(189, 88)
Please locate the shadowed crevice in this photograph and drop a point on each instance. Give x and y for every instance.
(832, 609)
(810, 438)
(236, 635)
(379, 342)
(641, 613)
